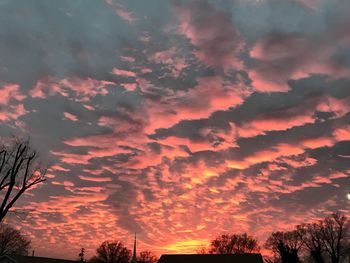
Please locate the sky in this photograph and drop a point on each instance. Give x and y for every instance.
(177, 120)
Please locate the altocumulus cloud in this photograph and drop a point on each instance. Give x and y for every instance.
(206, 117)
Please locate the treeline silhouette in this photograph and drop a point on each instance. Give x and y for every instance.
(323, 241)
(116, 252)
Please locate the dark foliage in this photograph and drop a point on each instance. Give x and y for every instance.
(286, 245)
(147, 256)
(112, 252)
(234, 244)
(12, 241)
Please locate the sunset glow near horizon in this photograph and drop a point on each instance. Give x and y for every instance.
(177, 120)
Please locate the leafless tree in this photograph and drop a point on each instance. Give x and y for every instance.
(326, 240)
(12, 241)
(112, 252)
(147, 256)
(335, 236)
(312, 237)
(234, 244)
(19, 171)
(286, 245)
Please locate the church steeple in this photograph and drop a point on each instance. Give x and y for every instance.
(134, 259)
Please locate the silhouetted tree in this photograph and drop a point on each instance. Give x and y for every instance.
(12, 241)
(202, 250)
(112, 252)
(286, 245)
(312, 239)
(288, 254)
(335, 236)
(19, 171)
(234, 244)
(147, 256)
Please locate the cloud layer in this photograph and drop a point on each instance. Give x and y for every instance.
(181, 124)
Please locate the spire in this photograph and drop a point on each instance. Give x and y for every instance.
(134, 259)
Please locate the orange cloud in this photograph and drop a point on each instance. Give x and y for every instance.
(342, 134)
(215, 93)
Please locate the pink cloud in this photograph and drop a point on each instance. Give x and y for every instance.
(129, 86)
(263, 84)
(215, 93)
(214, 140)
(294, 117)
(260, 126)
(125, 124)
(95, 179)
(318, 142)
(211, 31)
(298, 162)
(47, 87)
(339, 107)
(283, 57)
(71, 158)
(127, 16)
(124, 14)
(11, 107)
(342, 134)
(10, 92)
(70, 116)
(13, 113)
(89, 107)
(278, 151)
(76, 214)
(83, 89)
(123, 72)
(121, 11)
(312, 4)
(111, 144)
(103, 146)
(127, 59)
(58, 168)
(171, 59)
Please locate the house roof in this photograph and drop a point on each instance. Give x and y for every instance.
(29, 259)
(211, 258)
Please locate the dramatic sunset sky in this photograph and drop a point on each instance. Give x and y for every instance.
(178, 120)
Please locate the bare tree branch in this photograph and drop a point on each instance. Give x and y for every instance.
(19, 171)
